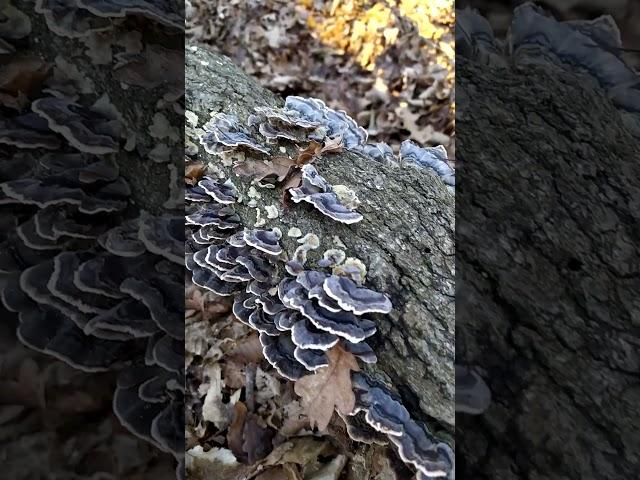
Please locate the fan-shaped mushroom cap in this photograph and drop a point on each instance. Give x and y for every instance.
(279, 352)
(32, 191)
(379, 151)
(264, 240)
(343, 324)
(196, 194)
(317, 191)
(337, 123)
(285, 319)
(362, 350)
(434, 158)
(434, 460)
(28, 131)
(220, 216)
(163, 299)
(225, 193)
(240, 311)
(227, 131)
(64, 18)
(272, 132)
(163, 235)
(49, 331)
(287, 117)
(306, 336)
(162, 11)
(356, 299)
(133, 412)
(263, 323)
(99, 135)
(206, 278)
(311, 359)
(123, 240)
(61, 284)
(127, 319)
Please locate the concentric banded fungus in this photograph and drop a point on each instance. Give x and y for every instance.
(224, 193)
(264, 240)
(337, 123)
(300, 313)
(227, 131)
(592, 46)
(355, 299)
(89, 129)
(316, 191)
(415, 444)
(434, 158)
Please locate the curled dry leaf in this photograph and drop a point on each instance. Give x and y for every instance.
(308, 154)
(329, 388)
(193, 172)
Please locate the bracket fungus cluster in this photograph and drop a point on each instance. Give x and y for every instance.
(98, 292)
(591, 46)
(309, 119)
(300, 312)
(93, 279)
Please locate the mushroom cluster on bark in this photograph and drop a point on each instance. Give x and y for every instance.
(93, 279)
(301, 313)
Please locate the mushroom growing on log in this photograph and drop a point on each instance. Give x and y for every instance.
(405, 238)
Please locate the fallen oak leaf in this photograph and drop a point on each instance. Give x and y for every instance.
(329, 388)
(308, 154)
(194, 172)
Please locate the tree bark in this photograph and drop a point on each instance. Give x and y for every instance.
(406, 240)
(548, 274)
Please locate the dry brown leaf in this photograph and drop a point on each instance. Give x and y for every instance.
(278, 473)
(301, 451)
(308, 154)
(329, 388)
(277, 167)
(332, 145)
(236, 431)
(247, 350)
(194, 172)
(257, 438)
(233, 374)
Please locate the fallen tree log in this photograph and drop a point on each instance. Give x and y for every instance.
(406, 239)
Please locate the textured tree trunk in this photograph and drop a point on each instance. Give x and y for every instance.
(548, 275)
(406, 240)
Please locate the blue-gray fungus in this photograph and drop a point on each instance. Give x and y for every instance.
(592, 46)
(300, 312)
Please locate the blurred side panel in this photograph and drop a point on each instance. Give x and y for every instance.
(547, 314)
(91, 239)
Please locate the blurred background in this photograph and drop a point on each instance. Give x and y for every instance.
(625, 12)
(389, 64)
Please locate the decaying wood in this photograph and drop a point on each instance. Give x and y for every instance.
(406, 240)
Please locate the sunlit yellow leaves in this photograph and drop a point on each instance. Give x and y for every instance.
(364, 28)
